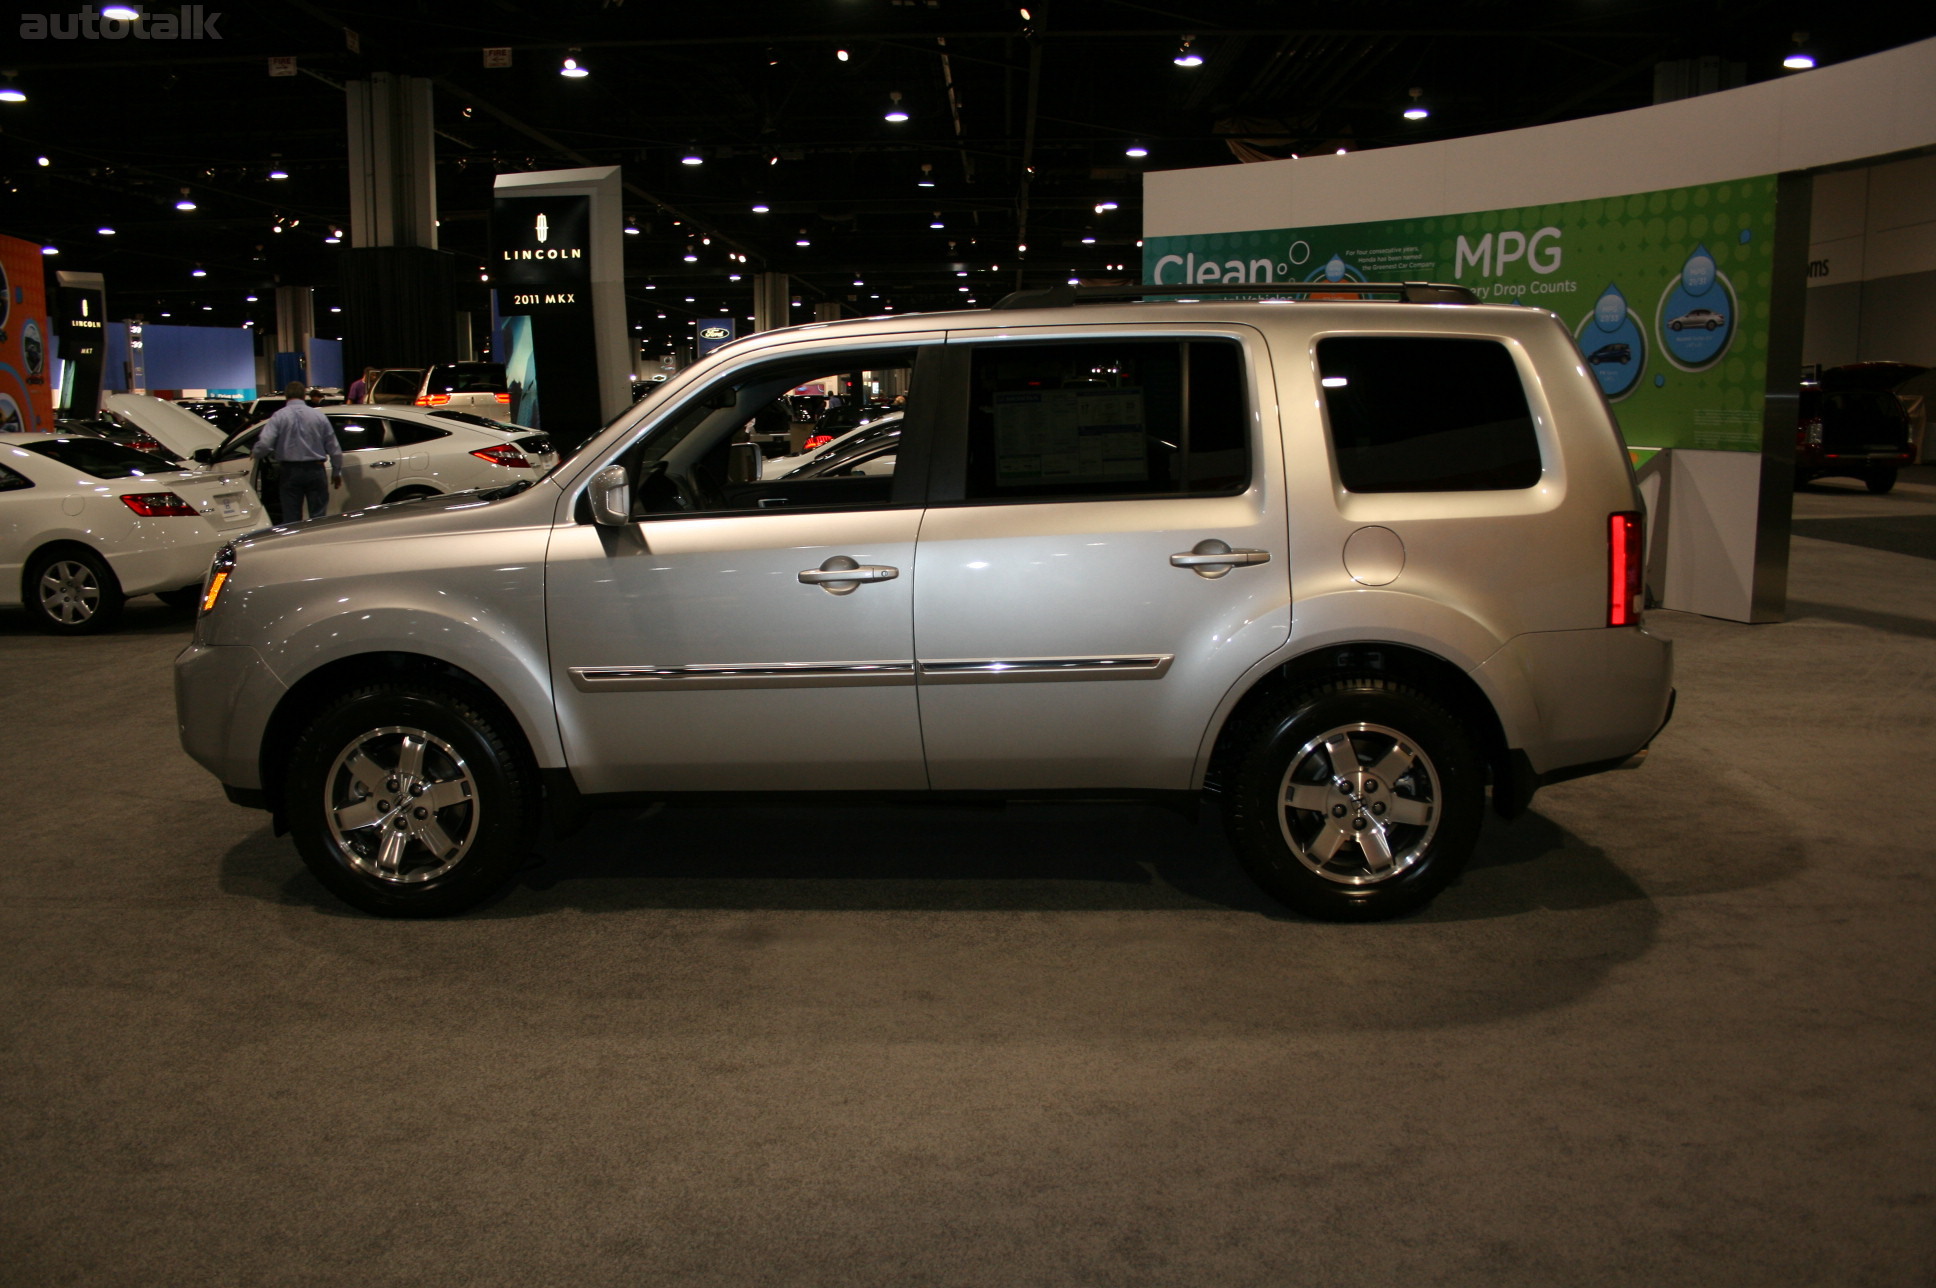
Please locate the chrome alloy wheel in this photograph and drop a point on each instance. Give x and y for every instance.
(401, 805)
(1360, 804)
(69, 591)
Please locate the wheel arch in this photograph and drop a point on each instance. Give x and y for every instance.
(309, 696)
(1407, 664)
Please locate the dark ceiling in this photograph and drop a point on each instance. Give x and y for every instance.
(1021, 122)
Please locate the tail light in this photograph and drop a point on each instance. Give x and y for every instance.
(158, 505)
(506, 455)
(432, 400)
(143, 443)
(504, 398)
(1625, 532)
(817, 440)
(1811, 431)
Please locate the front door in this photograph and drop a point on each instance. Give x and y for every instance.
(369, 462)
(1112, 560)
(714, 644)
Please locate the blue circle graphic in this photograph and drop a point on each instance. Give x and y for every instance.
(1697, 314)
(1612, 343)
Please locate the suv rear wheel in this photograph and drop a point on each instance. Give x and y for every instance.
(410, 801)
(1358, 799)
(1881, 480)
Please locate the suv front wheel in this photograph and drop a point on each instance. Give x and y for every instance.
(1358, 799)
(410, 801)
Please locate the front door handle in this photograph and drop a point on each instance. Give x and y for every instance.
(1214, 558)
(381, 465)
(843, 576)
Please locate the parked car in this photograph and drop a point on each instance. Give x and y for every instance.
(780, 466)
(1306, 557)
(1611, 353)
(1852, 425)
(475, 387)
(225, 414)
(1706, 318)
(86, 523)
(402, 453)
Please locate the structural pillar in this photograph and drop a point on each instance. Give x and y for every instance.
(772, 298)
(393, 162)
(295, 328)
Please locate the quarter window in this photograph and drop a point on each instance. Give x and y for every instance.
(11, 481)
(1107, 419)
(1427, 414)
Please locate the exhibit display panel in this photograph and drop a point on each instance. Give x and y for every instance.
(26, 389)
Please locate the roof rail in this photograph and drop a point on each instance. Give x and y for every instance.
(1062, 295)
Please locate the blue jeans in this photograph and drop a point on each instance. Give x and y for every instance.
(304, 481)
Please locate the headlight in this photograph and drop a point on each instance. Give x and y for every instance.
(218, 577)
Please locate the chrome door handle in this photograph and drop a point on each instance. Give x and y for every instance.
(842, 576)
(381, 465)
(1214, 558)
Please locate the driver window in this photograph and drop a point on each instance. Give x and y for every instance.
(816, 432)
(358, 435)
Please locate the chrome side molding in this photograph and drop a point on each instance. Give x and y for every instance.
(997, 670)
(768, 675)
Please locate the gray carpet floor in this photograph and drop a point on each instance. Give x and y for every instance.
(1674, 1027)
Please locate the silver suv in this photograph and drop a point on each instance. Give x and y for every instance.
(1341, 564)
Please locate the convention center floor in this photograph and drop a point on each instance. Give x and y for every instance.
(1673, 1027)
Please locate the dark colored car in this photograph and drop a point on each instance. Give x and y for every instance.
(1611, 353)
(225, 415)
(1852, 425)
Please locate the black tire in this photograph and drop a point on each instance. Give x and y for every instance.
(1320, 857)
(186, 597)
(452, 855)
(72, 591)
(1880, 481)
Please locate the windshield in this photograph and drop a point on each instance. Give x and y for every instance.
(466, 378)
(99, 457)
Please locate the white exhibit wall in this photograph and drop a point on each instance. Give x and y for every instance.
(1720, 529)
(1869, 107)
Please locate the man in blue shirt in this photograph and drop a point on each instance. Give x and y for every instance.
(300, 438)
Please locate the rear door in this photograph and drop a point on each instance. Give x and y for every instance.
(1103, 557)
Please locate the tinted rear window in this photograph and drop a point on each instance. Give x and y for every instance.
(1424, 414)
(99, 457)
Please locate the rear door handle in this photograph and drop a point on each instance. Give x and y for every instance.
(1214, 558)
(842, 576)
(381, 465)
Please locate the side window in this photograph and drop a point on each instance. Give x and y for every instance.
(406, 433)
(703, 458)
(1427, 414)
(358, 434)
(1107, 419)
(10, 481)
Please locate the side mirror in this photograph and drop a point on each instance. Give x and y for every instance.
(743, 463)
(611, 497)
(202, 455)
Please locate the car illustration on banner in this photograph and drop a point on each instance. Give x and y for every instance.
(1611, 341)
(1611, 353)
(1706, 318)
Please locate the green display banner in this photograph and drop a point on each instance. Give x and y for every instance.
(1665, 292)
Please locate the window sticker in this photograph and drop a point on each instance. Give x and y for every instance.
(1070, 436)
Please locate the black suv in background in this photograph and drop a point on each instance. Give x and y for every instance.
(1852, 425)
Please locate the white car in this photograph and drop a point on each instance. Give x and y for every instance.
(401, 453)
(85, 523)
(779, 466)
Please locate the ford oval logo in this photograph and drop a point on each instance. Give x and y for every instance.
(713, 333)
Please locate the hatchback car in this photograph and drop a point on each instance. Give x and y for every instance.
(86, 523)
(1339, 566)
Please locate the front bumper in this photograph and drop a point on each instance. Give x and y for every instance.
(224, 697)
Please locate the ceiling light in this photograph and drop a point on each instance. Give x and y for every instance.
(1799, 59)
(1105, 205)
(121, 12)
(50, 250)
(936, 222)
(277, 172)
(859, 282)
(841, 54)
(1186, 54)
(43, 161)
(1021, 248)
(1417, 111)
(572, 69)
(1340, 151)
(249, 298)
(802, 240)
(1089, 240)
(1135, 150)
(895, 112)
(692, 256)
(693, 156)
(186, 202)
(210, 308)
(631, 228)
(335, 308)
(335, 235)
(12, 93)
(199, 271)
(927, 176)
(105, 231)
(760, 207)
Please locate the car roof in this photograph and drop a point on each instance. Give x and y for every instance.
(421, 416)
